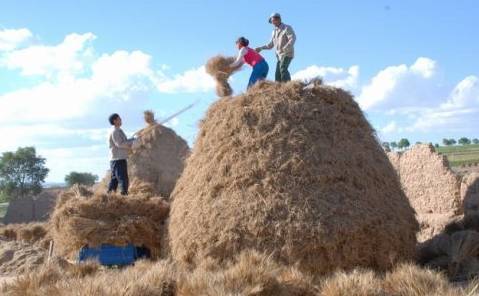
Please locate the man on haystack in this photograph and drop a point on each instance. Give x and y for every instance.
(119, 147)
(283, 39)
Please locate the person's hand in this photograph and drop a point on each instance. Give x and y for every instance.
(258, 49)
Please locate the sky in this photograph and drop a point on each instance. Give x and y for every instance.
(65, 66)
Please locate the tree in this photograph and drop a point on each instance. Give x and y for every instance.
(446, 142)
(22, 172)
(475, 141)
(464, 141)
(436, 145)
(80, 179)
(394, 145)
(403, 143)
(452, 141)
(386, 146)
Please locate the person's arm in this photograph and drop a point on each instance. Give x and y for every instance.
(269, 45)
(291, 37)
(240, 59)
(120, 141)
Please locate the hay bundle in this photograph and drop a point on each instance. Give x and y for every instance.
(219, 68)
(430, 185)
(149, 117)
(28, 232)
(109, 219)
(295, 172)
(158, 158)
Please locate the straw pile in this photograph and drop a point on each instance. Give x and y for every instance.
(95, 219)
(455, 251)
(250, 274)
(219, 68)
(29, 232)
(158, 158)
(430, 185)
(295, 172)
(470, 193)
(17, 257)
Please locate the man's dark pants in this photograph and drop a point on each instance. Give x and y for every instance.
(119, 175)
(282, 73)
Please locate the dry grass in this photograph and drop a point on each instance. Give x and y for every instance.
(292, 172)
(249, 274)
(109, 219)
(219, 68)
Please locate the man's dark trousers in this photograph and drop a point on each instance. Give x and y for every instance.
(282, 73)
(119, 174)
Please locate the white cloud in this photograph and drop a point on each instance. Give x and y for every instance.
(390, 128)
(10, 39)
(464, 94)
(194, 80)
(402, 86)
(339, 77)
(459, 111)
(64, 59)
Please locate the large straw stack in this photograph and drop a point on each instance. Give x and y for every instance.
(295, 172)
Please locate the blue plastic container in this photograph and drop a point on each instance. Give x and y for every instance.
(109, 255)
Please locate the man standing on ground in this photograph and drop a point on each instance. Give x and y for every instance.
(283, 40)
(119, 146)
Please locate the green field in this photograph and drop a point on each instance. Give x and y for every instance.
(460, 155)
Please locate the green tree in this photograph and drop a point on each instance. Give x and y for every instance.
(403, 143)
(446, 142)
(386, 146)
(394, 145)
(464, 141)
(80, 179)
(452, 141)
(22, 172)
(475, 141)
(436, 145)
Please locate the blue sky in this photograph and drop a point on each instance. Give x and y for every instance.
(66, 65)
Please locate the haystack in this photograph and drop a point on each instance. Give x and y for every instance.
(158, 158)
(470, 193)
(432, 187)
(95, 219)
(295, 172)
(32, 208)
(219, 68)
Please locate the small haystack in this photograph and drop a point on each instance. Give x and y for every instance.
(158, 157)
(295, 172)
(219, 68)
(32, 208)
(95, 219)
(17, 257)
(431, 186)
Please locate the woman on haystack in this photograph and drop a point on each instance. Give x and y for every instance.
(251, 57)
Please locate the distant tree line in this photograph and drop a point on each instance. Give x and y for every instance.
(461, 141)
(401, 144)
(404, 143)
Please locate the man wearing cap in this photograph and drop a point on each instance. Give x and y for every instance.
(283, 39)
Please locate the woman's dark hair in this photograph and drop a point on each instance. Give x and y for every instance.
(243, 41)
(112, 118)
